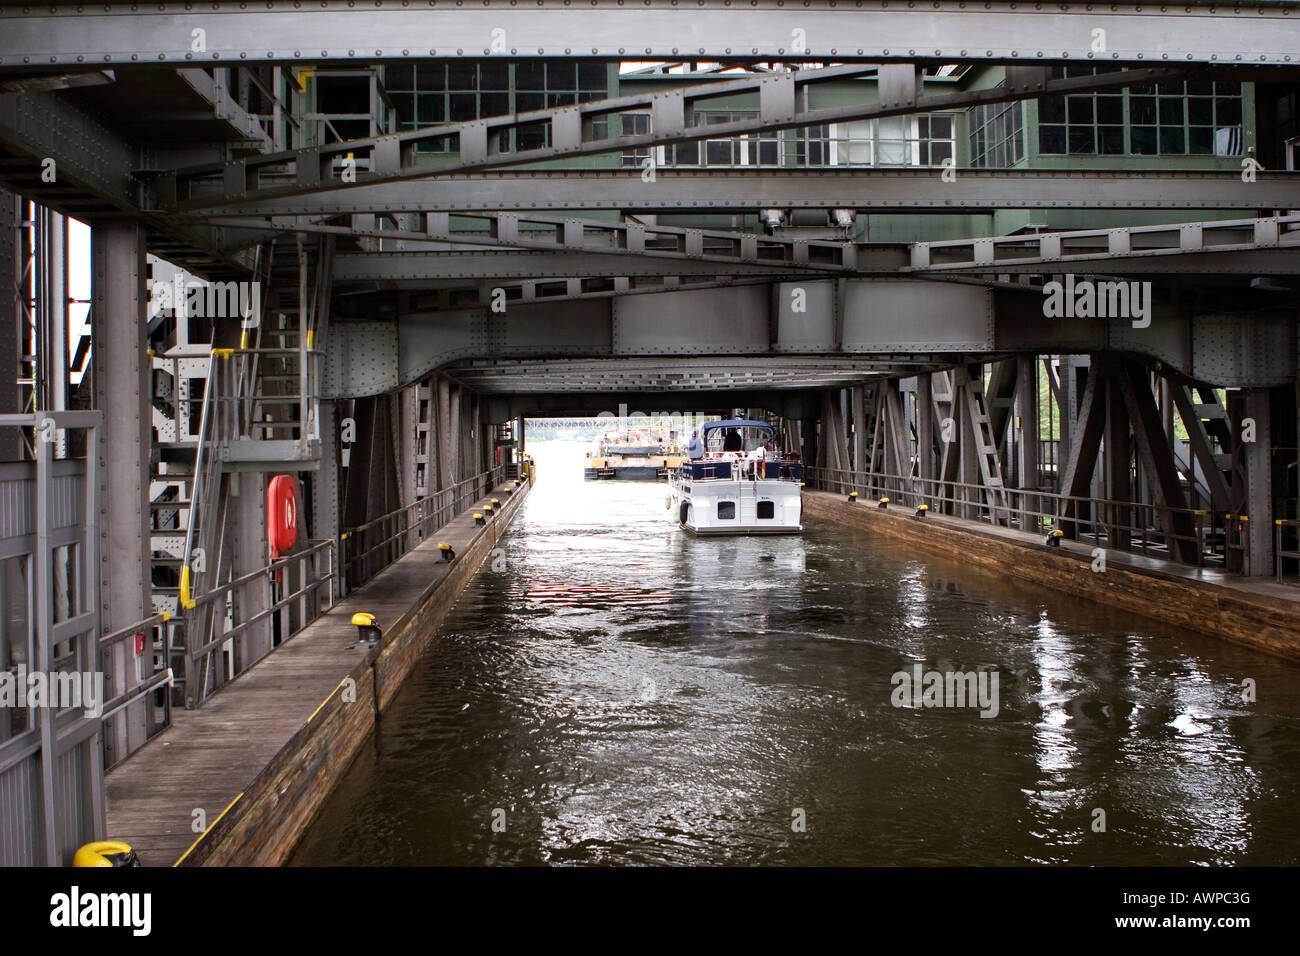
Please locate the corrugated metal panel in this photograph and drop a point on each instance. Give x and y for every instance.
(17, 500)
(70, 784)
(66, 491)
(20, 821)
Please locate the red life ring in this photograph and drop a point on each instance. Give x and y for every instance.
(282, 513)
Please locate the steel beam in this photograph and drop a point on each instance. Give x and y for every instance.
(574, 236)
(909, 189)
(1263, 246)
(118, 32)
(516, 264)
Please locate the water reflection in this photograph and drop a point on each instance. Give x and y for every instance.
(620, 692)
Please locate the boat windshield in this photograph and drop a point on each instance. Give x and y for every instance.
(743, 438)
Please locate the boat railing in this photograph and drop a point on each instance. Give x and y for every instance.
(713, 469)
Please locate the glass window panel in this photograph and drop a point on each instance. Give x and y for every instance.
(1051, 139)
(561, 75)
(527, 102)
(464, 106)
(940, 152)
(494, 75)
(1142, 110)
(462, 75)
(494, 104)
(717, 152)
(400, 76)
(530, 136)
(431, 76)
(923, 127)
(1051, 109)
(1199, 87)
(769, 153)
(1232, 88)
(1172, 89)
(1227, 112)
(591, 76)
(530, 75)
(1082, 140)
(1201, 140)
(431, 108)
(855, 153)
(1142, 140)
(1110, 110)
(1143, 89)
(1227, 141)
(1200, 111)
(1172, 140)
(1171, 112)
(687, 154)
(1112, 139)
(1080, 109)
(941, 127)
(561, 99)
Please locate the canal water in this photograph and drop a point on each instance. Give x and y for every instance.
(611, 690)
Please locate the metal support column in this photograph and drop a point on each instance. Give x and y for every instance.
(1259, 485)
(122, 373)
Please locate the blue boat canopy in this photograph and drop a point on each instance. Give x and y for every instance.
(736, 423)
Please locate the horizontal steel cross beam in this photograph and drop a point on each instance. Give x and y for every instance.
(734, 190)
(1258, 246)
(338, 31)
(576, 238)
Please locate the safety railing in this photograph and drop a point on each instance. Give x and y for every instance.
(135, 662)
(1178, 534)
(290, 592)
(265, 393)
(369, 548)
(1279, 524)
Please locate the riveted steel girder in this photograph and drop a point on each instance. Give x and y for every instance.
(737, 190)
(333, 30)
(1264, 246)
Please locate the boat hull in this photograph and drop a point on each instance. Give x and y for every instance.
(721, 507)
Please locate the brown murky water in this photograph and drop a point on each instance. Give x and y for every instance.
(611, 690)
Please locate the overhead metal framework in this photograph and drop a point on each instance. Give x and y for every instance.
(67, 35)
(572, 131)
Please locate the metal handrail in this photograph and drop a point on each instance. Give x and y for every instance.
(1097, 514)
(219, 594)
(196, 490)
(164, 677)
(1279, 554)
(431, 512)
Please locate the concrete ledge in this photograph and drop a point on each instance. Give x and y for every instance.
(1229, 608)
(262, 755)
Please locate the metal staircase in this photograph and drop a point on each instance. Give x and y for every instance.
(251, 408)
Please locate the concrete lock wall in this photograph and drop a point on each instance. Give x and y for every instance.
(263, 825)
(1255, 620)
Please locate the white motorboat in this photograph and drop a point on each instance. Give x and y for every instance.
(742, 484)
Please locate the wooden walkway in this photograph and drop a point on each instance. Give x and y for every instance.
(206, 759)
